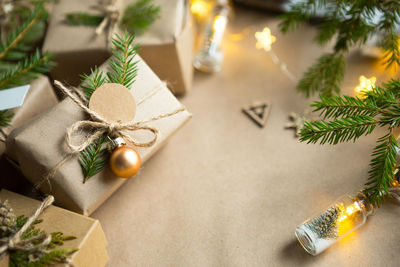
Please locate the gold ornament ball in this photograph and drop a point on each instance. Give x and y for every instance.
(125, 162)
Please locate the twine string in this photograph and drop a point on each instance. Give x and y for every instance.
(15, 242)
(102, 126)
(111, 17)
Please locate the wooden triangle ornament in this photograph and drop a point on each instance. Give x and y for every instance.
(258, 112)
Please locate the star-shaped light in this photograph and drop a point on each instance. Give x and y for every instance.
(265, 39)
(365, 85)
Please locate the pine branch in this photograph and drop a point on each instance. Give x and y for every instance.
(353, 117)
(338, 130)
(324, 76)
(139, 16)
(14, 47)
(123, 65)
(93, 158)
(58, 238)
(27, 70)
(383, 164)
(5, 118)
(350, 23)
(93, 81)
(83, 18)
(345, 106)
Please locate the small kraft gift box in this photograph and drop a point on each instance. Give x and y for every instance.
(167, 47)
(52, 235)
(58, 156)
(40, 98)
(82, 40)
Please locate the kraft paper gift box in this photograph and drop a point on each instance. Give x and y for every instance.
(40, 98)
(90, 239)
(76, 48)
(40, 145)
(167, 46)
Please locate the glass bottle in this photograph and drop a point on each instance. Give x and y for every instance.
(210, 56)
(343, 217)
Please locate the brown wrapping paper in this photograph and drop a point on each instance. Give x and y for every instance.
(225, 192)
(40, 145)
(90, 239)
(39, 98)
(168, 45)
(76, 48)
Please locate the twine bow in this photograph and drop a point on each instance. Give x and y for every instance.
(102, 126)
(36, 243)
(111, 17)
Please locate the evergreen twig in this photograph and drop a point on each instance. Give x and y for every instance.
(348, 118)
(139, 16)
(93, 158)
(350, 23)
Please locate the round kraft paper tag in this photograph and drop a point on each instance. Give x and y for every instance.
(114, 102)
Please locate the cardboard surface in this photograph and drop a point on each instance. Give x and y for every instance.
(90, 239)
(40, 145)
(225, 192)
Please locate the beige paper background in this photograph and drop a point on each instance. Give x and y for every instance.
(224, 192)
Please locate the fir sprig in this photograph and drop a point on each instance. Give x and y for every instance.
(350, 23)
(82, 18)
(5, 118)
(26, 70)
(93, 158)
(123, 63)
(139, 16)
(48, 256)
(123, 70)
(14, 47)
(347, 118)
(136, 19)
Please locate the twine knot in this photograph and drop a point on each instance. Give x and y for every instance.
(102, 127)
(111, 14)
(36, 243)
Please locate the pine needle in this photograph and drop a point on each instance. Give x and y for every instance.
(93, 158)
(348, 24)
(123, 64)
(139, 16)
(5, 118)
(26, 70)
(347, 118)
(13, 47)
(82, 18)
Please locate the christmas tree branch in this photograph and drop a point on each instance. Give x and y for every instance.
(122, 64)
(26, 70)
(350, 23)
(139, 16)
(352, 117)
(5, 118)
(13, 47)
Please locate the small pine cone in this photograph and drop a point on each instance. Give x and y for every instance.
(7, 220)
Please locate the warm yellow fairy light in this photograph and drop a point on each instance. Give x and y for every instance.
(365, 84)
(200, 8)
(220, 23)
(265, 39)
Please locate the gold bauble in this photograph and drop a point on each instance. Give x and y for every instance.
(125, 162)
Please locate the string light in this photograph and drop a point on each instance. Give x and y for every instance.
(365, 85)
(265, 39)
(200, 8)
